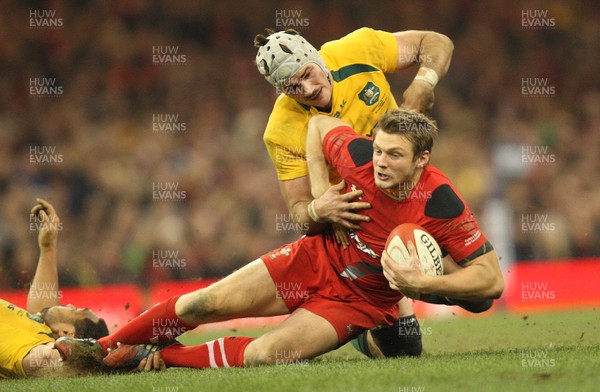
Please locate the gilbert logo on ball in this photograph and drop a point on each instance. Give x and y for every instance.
(428, 250)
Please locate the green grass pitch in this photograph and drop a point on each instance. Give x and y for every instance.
(502, 352)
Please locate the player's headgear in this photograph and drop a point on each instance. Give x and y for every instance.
(282, 54)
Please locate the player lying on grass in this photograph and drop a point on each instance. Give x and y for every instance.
(27, 337)
(28, 345)
(346, 79)
(331, 292)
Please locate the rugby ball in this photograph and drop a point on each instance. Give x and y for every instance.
(428, 250)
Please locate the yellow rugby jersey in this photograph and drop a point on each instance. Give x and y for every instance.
(19, 333)
(361, 94)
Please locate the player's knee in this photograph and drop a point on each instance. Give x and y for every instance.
(269, 352)
(259, 353)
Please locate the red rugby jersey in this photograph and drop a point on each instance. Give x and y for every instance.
(433, 203)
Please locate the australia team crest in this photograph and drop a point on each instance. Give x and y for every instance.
(370, 94)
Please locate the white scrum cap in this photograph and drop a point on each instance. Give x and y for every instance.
(283, 54)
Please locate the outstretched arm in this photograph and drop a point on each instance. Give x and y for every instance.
(44, 287)
(433, 52)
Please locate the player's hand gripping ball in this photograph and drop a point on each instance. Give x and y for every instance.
(428, 250)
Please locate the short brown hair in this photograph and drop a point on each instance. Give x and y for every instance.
(86, 328)
(419, 129)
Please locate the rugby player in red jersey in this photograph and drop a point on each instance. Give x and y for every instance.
(346, 79)
(331, 292)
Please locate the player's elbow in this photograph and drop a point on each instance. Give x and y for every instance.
(443, 41)
(496, 287)
(491, 274)
(447, 42)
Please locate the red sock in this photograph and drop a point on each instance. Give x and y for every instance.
(157, 324)
(223, 352)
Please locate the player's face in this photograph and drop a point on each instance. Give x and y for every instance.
(61, 319)
(393, 161)
(310, 86)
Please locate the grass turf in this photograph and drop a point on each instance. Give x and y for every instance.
(542, 351)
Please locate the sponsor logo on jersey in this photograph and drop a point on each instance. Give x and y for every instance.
(282, 251)
(361, 246)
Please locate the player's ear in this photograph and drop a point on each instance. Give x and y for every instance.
(423, 160)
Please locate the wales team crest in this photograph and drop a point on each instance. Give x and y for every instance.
(369, 94)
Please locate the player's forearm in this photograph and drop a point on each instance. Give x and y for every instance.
(318, 171)
(300, 215)
(435, 52)
(480, 280)
(297, 196)
(44, 287)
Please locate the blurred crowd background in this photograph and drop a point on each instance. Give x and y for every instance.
(528, 164)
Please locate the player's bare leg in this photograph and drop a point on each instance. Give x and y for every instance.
(303, 335)
(248, 292)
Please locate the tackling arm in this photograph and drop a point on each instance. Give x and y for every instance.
(297, 196)
(329, 204)
(318, 170)
(300, 192)
(44, 287)
(433, 52)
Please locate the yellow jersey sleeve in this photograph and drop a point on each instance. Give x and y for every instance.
(285, 138)
(364, 46)
(20, 332)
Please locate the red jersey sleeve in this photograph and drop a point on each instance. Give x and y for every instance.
(453, 225)
(344, 150)
(462, 238)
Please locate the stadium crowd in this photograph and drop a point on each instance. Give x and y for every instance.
(142, 123)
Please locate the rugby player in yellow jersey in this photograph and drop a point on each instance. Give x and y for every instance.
(345, 79)
(27, 337)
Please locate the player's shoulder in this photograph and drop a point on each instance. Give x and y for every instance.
(443, 200)
(363, 46)
(361, 34)
(287, 117)
(359, 148)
